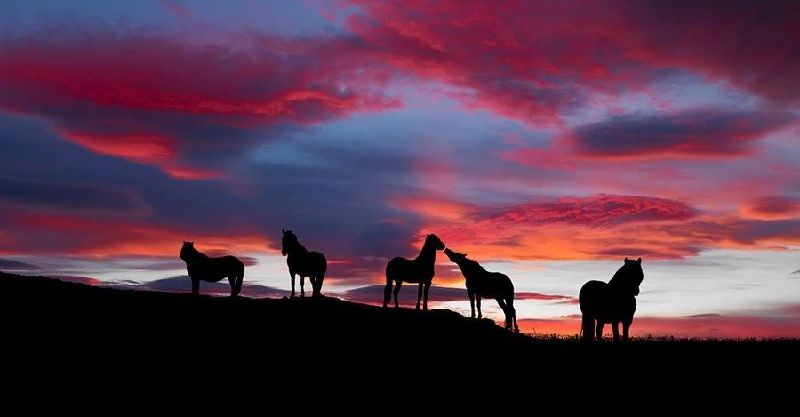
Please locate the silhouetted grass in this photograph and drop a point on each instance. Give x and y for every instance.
(49, 324)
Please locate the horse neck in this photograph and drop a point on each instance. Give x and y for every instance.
(472, 266)
(196, 255)
(298, 249)
(620, 279)
(427, 254)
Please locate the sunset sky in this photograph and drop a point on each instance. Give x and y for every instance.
(548, 140)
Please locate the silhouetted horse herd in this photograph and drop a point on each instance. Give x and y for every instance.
(600, 303)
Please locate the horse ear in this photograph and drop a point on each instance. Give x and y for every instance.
(639, 261)
(627, 260)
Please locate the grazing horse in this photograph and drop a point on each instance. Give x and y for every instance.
(482, 283)
(304, 263)
(613, 303)
(202, 267)
(418, 270)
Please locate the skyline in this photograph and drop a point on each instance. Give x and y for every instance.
(547, 141)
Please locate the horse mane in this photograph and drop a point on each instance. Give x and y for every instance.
(472, 264)
(296, 242)
(194, 254)
(427, 247)
(623, 276)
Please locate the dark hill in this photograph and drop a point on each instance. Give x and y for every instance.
(50, 325)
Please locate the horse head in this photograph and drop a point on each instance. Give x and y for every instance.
(455, 256)
(630, 275)
(187, 250)
(288, 241)
(433, 241)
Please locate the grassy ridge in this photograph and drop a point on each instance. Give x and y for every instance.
(52, 324)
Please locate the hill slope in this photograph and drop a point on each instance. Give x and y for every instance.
(52, 323)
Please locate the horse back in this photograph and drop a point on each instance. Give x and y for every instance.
(591, 296)
(307, 264)
(400, 268)
(215, 269)
(491, 284)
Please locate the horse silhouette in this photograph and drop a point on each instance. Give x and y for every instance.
(482, 283)
(613, 303)
(304, 263)
(202, 267)
(418, 270)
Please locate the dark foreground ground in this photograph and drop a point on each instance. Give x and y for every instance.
(52, 329)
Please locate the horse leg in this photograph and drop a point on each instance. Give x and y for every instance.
(599, 330)
(615, 330)
(471, 295)
(587, 327)
(625, 326)
(513, 312)
(195, 286)
(503, 307)
(239, 281)
(320, 279)
(478, 302)
(419, 294)
(292, 274)
(232, 282)
(387, 292)
(397, 286)
(425, 299)
(302, 286)
(313, 280)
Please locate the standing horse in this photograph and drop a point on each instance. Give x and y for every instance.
(202, 267)
(418, 270)
(482, 283)
(613, 303)
(304, 263)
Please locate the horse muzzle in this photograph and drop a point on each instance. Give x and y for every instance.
(284, 254)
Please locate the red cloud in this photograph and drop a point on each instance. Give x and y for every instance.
(601, 227)
(154, 99)
(772, 208)
(108, 238)
(533, 60)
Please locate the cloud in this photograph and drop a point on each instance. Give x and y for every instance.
(183, 284)
(538, 61)
(373, 294)
(596, 227)
(691, 133)
(99, 237)
(157, 100)
(772, 208)
(71, 197)
(12, 265)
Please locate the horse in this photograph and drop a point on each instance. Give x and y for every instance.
(418, 270)
(202, 267)
(304, 263)
(482, 283)
(613, 302)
